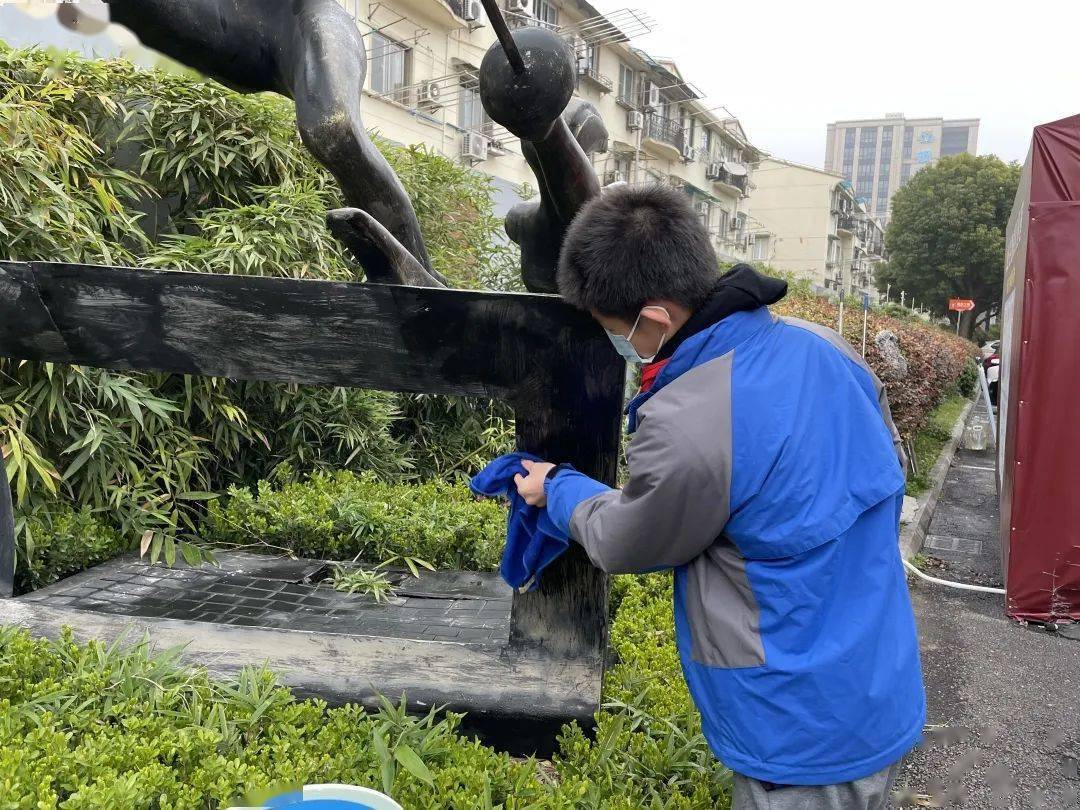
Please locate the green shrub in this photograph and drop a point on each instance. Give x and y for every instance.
(62, 542)
(343, 515)
(968, 380)
(89, 726)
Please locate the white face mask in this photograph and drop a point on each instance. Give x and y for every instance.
(624, 347)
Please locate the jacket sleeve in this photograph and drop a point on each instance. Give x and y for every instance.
(673, 507)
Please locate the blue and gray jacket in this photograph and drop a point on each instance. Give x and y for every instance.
(764, 470)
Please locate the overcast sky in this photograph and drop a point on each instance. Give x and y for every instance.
(787, 68)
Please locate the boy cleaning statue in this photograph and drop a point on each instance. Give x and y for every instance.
(764, 470)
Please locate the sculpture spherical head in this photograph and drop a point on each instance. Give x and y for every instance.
(528, 102)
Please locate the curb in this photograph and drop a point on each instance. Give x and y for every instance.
(913, 534)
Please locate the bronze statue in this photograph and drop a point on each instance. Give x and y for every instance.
(312, 52)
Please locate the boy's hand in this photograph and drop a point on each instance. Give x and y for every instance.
(531, 486)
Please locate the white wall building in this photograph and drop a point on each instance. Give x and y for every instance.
(808, 222)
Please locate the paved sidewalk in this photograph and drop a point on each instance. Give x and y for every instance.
(1003, 700)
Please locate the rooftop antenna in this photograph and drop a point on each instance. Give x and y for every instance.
(502, 31)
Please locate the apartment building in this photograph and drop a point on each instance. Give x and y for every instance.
(810, 223)
(880, 155)
(422, 89)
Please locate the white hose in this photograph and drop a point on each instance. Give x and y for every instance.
(963, 586)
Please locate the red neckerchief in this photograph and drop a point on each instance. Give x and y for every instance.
(649, 372)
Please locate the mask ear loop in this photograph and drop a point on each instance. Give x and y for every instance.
(663, 337)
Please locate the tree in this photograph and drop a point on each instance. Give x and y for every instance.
(946, 238)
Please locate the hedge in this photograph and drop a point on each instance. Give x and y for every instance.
(88, 726)
(343, 515)
(936, 359)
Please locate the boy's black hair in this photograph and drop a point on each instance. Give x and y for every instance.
(635, 243)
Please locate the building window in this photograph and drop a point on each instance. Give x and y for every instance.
(849, 138)
(388, 65)
(761, 248)
(909, 138)
(883, 189)
(722, 224)
(954, 140)
(592, 55)
(905, 173)
(546, 13)
(883, 204)
(626, 85)
(471, 114)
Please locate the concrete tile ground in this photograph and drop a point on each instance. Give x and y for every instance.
(1003, 700)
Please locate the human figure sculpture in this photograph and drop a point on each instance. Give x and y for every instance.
(539, 225)
(526, 85)
(312, 52)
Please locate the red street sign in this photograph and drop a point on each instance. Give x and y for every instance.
(961, 304)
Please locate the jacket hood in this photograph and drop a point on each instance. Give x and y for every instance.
(740, 288)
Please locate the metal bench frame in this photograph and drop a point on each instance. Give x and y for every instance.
(551, 363)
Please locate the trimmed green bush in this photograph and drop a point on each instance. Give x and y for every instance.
(86, 726)
(61, 542)
(968, 380)
(343, 515)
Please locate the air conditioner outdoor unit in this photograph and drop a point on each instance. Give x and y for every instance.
(635, 120)
(714, 171)
(472, 11)
(429, 94)
(689, 153)
(614, 177)
(474, 147)
(518, 6)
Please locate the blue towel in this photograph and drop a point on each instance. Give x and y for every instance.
(532, 540)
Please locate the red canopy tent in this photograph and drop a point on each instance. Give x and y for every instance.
(1039, 447)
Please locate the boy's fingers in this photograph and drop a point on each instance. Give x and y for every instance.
(518, 479)
(528, 465)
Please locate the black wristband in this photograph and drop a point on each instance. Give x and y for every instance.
(555, 471)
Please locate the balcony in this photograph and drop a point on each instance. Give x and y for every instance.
(665, 130)
(592, 76)
(728, 173)
(846, 222)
